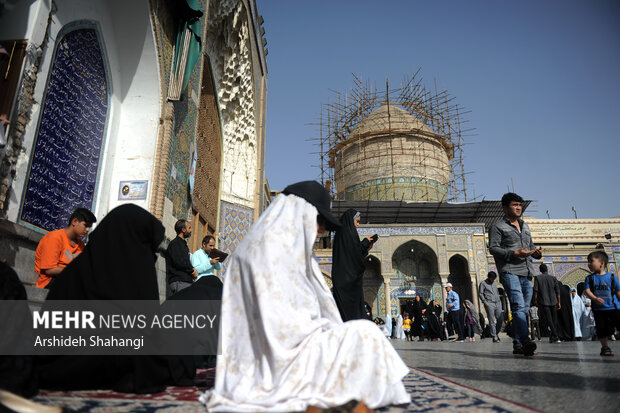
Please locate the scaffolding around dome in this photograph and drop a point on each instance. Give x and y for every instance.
(403, 144)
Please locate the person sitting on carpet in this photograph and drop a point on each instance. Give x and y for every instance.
(310, 357)
(116, 264)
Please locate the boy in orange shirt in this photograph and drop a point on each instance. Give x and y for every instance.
(58, 248)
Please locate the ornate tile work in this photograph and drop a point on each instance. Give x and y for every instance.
(235, 222)
(401, 187)
(183, 136)
(563, 269)
(574, 277)
(164, 48)
(381, 298)
(229, 46)
(456, 243)
(437, 293)
(481, 257)
(577, 258)
(470, 255)
(64, 166)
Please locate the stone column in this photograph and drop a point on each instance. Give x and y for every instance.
(444, 281)
(474, 293)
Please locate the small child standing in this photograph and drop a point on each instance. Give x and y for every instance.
(604, 291)
(407, 327)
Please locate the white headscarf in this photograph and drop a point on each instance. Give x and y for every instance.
(388, 324)
(579, 310)
(400, 331)
(283, 345)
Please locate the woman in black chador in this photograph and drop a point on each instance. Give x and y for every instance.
(348, 267)
(118, 263)
(419, 309)
(433, 312)
(566, 326)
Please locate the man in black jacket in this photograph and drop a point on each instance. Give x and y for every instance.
(179, 269)
(547, 295)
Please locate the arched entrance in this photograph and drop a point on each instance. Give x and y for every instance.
(575, 276)
(417, 268)
(459, 277)
(373, 281)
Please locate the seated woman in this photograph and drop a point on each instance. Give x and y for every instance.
(118, 263)
(283, 345)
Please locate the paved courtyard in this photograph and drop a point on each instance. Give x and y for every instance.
(564, 377)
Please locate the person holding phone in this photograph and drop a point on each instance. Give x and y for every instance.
(510, 243)
(348, 266)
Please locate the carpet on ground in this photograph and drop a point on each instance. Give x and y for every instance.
(429, 393)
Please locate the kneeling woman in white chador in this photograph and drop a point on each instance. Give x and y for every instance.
(283, 344)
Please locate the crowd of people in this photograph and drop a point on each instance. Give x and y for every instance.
(310, 357)
(421, 319)
(567, 317)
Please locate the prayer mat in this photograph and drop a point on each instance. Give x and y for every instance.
(429, 393)
(172, 400)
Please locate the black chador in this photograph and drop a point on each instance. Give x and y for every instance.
(348, 268)
(118, 263)
(566, 326)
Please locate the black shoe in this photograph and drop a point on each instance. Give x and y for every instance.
(517, 350)
(529, 349)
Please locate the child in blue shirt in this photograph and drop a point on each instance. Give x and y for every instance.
(603, 289)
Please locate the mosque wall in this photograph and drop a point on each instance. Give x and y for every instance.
(420, 251)
(566, 261)
(239, 73)
(147, 142)
(127, 55)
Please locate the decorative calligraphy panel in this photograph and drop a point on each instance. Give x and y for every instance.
(65, 160)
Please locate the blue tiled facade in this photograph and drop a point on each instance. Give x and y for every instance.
(65, 163)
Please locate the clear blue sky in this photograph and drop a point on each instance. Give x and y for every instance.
(542, 79)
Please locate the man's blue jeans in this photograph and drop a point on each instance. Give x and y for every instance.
(519, 291)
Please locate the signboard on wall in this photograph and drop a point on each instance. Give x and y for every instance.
(132, 190)
(569, 231)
